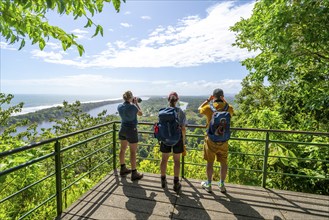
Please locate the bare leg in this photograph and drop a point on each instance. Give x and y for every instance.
(210, 170)
(223, 171)
(133, 151)
(163, 164)
(124, 145)
(176, 164)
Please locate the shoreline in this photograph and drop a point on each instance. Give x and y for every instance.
(33, 109)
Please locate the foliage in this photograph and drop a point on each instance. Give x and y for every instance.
(22, 19)
(292, 38)
(286, 156)
(76, 167)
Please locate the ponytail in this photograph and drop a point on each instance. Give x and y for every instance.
(172, 100)
(127, 95)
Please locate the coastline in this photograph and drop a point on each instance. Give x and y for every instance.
(33, 109)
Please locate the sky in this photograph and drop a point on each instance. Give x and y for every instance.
(149, 47)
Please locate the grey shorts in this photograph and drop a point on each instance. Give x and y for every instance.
(129, 133)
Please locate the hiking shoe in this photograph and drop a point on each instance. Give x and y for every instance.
(177, 187)
(124, 171)
(136, 176)
(222, 188)
(207, 186)
(163, 183)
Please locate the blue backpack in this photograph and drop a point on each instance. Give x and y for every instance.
(168, 130)
(219, 126)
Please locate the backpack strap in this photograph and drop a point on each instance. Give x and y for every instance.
(177, 114)
(226, 107)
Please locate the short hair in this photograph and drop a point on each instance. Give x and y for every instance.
(218, 93)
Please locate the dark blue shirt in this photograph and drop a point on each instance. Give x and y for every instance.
(128, 114)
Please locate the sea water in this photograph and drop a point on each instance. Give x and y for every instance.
(35, 102)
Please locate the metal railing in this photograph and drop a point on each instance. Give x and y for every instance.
(106, 137)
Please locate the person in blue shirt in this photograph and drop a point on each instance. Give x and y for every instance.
(128, 134)
(177, 149)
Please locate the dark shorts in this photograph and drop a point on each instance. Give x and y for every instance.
(129, 133)
(177, 149)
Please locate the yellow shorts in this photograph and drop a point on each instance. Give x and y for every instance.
(215, 149)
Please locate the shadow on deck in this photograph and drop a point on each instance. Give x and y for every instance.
(120, 198)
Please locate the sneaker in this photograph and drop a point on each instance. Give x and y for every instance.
(124, 171)
(205, 185)
(136, 176)
(177, 187)
(163, 183)
(222, 188)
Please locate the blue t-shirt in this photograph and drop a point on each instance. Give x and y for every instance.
(128, 114)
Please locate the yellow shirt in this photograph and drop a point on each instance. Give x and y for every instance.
(206, 110)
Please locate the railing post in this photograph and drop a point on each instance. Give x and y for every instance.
(267, 142)
(183, 165)
(114, 139)
(58, 178)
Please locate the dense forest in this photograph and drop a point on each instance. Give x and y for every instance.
(286, 90)
(243, 166)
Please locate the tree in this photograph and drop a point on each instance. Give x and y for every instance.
(22, 19)
(292, 37)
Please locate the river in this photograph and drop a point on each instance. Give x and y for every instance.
(111, 110)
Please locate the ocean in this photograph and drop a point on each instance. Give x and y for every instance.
(35, 102)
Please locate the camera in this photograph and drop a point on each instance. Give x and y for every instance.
(139, 100)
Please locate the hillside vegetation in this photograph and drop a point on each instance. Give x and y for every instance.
(287, 88)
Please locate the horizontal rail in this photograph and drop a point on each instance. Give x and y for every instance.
(113, 144)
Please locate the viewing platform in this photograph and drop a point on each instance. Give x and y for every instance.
(118, 197)
(71, 164)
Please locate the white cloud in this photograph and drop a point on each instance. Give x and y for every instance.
(6, 46)
(79, 31)
(54, 46)
(120, 44)
(145, 17)
(193, 41)
(81, 34)
(47, 55)
(127, 13)
(126, 25)
(102, 84)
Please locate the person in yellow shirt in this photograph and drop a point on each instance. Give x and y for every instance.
(215, 150)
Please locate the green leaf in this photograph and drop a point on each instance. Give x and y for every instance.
(81, 49)
(101, 30)
(42, 44)
(22, 44)
(97, 30)
(13, 39)
(49, 3)
(64, 45)
(61, 7)
(116, 4)
(89, 23)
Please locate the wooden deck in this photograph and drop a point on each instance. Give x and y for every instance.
(120, 198)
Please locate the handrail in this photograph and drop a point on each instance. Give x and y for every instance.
(59, 168)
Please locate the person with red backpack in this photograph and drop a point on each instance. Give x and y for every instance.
(170, 131)
(218, 113)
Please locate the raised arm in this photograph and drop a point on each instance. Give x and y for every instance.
(206, 102)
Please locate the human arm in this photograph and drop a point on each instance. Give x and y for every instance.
(205, 103)
(184, 134)
(139, 112)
